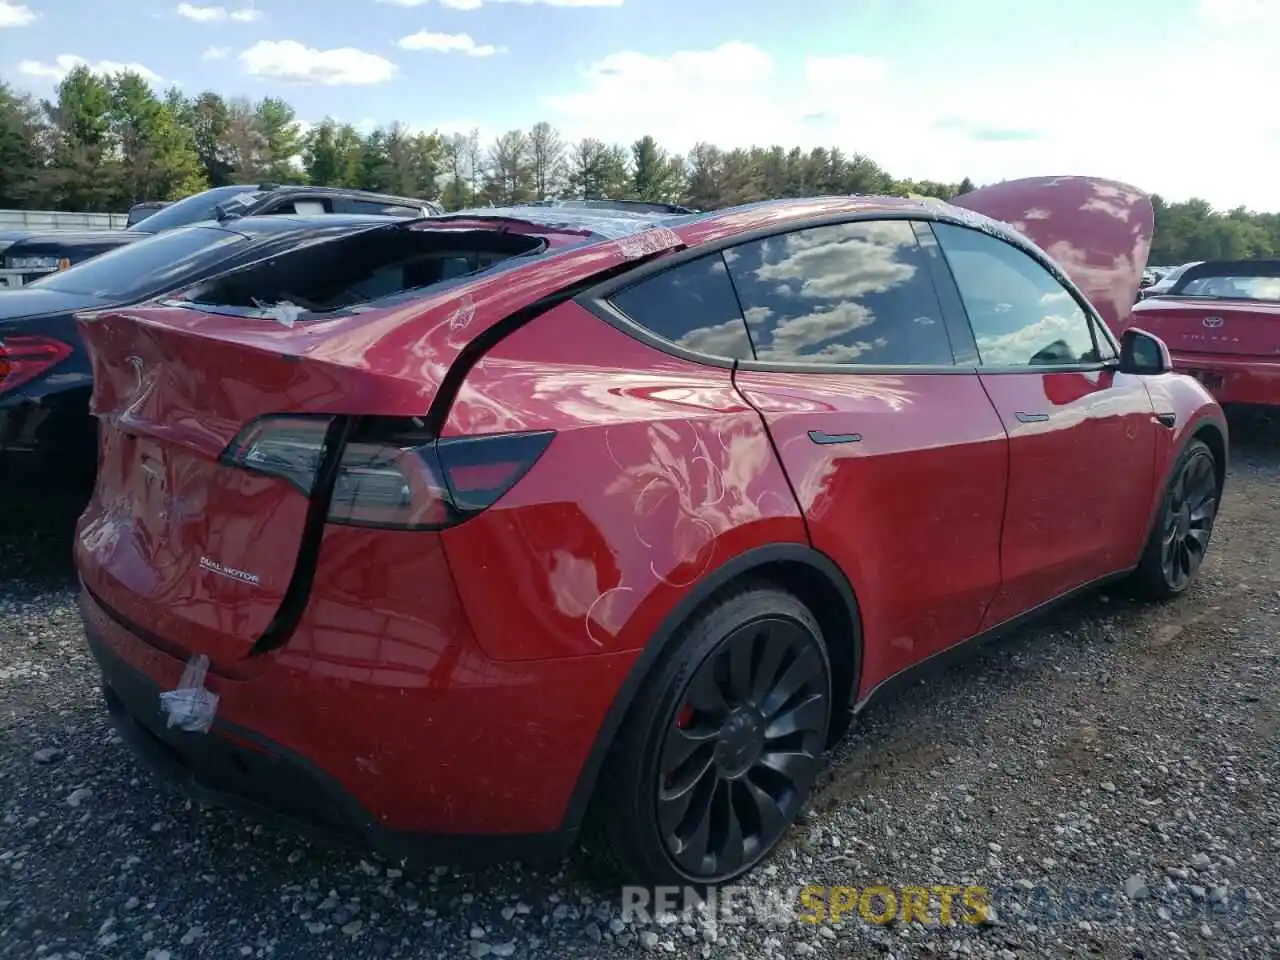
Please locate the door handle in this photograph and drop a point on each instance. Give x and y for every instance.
(1167, 419)
(821, 436)
(1031, 417)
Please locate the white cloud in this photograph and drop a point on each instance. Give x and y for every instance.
(294, 62)
(15, 14)
(216, 53)
(202, 14)
(477, 4)
(447, 43)
(1240, 13)
(844, 72)
(916, 124)
(64, 63)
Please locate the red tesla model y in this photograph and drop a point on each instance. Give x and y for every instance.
(478, 533)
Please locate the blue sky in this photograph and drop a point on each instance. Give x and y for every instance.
(928, 88)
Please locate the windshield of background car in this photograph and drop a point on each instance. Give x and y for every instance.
(153, 265)
(194, 209)
(1230, 286)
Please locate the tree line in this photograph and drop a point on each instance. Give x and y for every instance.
(103, 143)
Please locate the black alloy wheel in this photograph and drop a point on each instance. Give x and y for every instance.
(1180, 540)
(743, 748)
(720, 747)
(1190, 508)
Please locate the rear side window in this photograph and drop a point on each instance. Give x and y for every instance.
(1021, 315)
(149, 265)
(382, 209)
(855, 293)
(693, 306)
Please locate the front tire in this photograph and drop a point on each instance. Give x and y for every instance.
(1180, 538)
(721, 747)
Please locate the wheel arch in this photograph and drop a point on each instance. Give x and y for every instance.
(796, 567)
(1209, 428)
(1214, 434)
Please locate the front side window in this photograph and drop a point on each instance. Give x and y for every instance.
(1021, 315)
(379, 209)
(693, 306)
(857, 293)
(196, 208)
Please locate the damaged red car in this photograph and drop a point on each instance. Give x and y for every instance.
(470, 536)
(1221, 320)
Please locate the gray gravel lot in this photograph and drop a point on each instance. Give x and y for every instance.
(1110, 775)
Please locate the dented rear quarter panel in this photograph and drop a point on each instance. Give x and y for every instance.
(672, 475)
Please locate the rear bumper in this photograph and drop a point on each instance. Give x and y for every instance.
(485, 769)
(234, 767)
(1241, 381)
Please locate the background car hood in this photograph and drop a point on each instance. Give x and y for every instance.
(1099, 231)
(58, 242)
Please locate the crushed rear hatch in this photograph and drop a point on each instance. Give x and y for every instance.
(229, 438)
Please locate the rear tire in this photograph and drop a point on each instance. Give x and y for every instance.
(1180, 537)
(720, 748)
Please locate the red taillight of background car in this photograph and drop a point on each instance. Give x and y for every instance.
(22, 359)
(389, 477)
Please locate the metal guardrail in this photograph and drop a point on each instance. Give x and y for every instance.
(61, 220)
(13, 279)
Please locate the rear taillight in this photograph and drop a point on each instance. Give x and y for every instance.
(394, 478)
(22, 359)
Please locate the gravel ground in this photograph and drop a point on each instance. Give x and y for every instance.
(1109, 776)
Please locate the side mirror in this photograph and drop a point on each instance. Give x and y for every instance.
(1143, 353)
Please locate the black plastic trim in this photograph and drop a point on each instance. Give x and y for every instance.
(739, 567)
(1169, 420)
(964, 349)
(822, 437)
(946, 657)
(852, 369)
(1049, 368)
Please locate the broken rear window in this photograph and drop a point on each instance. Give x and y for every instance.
(373, 266)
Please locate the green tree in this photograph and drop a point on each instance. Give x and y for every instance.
(653, 174)
(209, 119)
(510, 174)
(546, 150)
(277, 125)
(157, 152)
(84, 171)
(102, 143)
(333, 154)
(23, 142)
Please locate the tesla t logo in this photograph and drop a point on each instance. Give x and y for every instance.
(1213, 323)
(136, 363)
